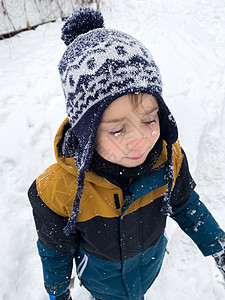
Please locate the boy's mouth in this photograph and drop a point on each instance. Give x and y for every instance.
(135, 157)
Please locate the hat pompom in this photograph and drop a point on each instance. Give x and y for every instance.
(80, 22)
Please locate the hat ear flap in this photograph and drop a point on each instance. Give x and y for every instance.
(166, 207)
(71, 223)
(69, 144)
(168, 125)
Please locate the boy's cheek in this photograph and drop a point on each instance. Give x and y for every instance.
(103, 148)
(107, 153)
(155, 134)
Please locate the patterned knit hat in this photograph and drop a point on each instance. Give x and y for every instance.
(99, 66)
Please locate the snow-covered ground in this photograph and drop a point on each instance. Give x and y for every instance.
(187, 40)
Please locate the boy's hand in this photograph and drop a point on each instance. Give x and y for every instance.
(220, 261)
(64, 296)
(220, 257)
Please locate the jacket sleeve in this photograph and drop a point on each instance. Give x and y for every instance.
(198, 223)
(192, 215)
(57, 269)
(55, 249)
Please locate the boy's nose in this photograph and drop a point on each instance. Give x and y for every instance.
(136, 143)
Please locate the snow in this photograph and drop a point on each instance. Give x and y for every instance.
(187, 40)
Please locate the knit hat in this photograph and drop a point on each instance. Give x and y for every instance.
(99, 66)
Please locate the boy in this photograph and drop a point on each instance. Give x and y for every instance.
(120, 171)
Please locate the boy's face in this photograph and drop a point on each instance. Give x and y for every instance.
(128, 131)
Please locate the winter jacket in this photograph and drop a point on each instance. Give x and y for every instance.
(120, 242)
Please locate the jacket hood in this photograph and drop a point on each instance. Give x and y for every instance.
(67, 164)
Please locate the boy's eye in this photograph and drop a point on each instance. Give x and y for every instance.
(150, 122)
(117, 132)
